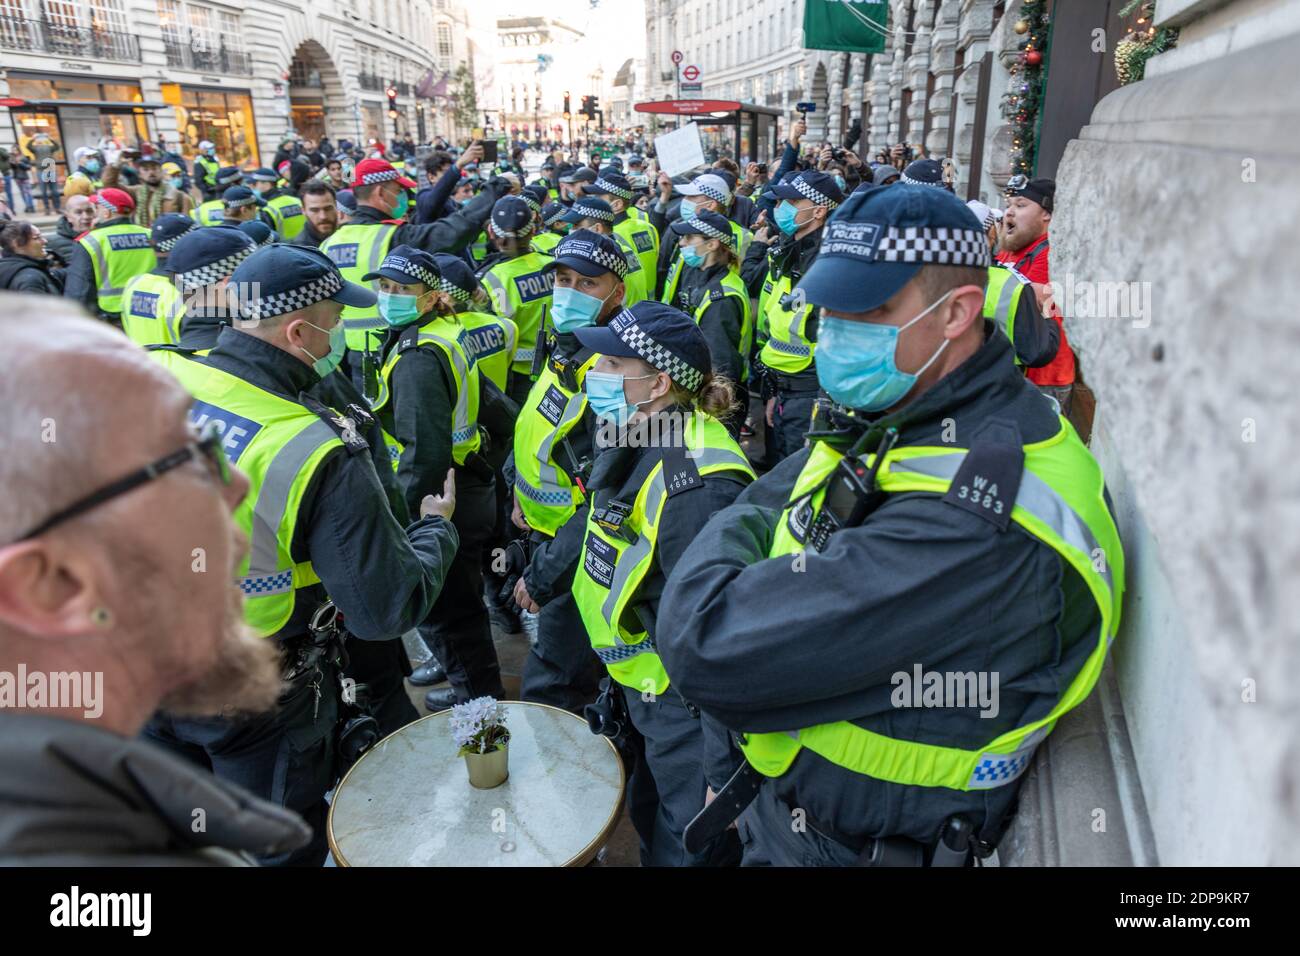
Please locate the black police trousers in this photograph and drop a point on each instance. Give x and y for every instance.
(561, 668)
(286, 756)
(383, 667)
(791, 420)
(457, 630)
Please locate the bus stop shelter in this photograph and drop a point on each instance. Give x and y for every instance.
(744, 132)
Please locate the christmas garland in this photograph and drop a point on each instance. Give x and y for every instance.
(1022, 103)
(1142, 43)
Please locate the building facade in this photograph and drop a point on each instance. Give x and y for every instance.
(242, 74)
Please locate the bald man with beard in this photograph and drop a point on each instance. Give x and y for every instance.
(117, 598)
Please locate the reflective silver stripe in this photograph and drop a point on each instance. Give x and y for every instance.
(1035, 496)
(524, 355)
(363, 324)
(790, 348)
(623, 652)
(1002, 312)
(501, 300)
(512, 339)
(994, 770)
(555, 497)
(175, 312)
(105, 289)
(572, 412)
(460, 425)
(273, 496)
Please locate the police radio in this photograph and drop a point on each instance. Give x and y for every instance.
(851, 495)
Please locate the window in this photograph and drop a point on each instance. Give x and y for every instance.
(232, 37)
(444, 44)
(169, 16)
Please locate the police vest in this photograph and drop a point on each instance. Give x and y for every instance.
(546, 494)
(615, 560)
(1060, 502)
(446, 335)
(634, 283)
(733, 287)
(787, 349)
(152, 308)
(637, 213)
(280, 445)
(521, 292)
(1002, 299)
(545, 242)
(118, 254)
(644, 240)
(286, 212)
(491, 340)
(210, 213)
(479, 248)
(210, 169)
(358, 249)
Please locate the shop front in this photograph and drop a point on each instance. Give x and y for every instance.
(729, 129)
(54, 115)
(223, 117)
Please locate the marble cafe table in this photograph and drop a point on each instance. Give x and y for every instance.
(408, 802)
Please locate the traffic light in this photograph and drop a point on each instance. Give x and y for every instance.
(566, 104)
(392, 100)
(586, 107)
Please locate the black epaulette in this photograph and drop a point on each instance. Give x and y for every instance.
(680, 471)
(346, 426)
(410, 337)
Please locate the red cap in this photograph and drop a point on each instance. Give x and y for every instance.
(283, 168)
(118, 200)
(369, 172)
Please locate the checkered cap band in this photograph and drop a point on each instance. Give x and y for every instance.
(230, 178)
(369, 179)
(555, 217)
(412, 270)
(613, 190)
(580, 248)
(533, 204)
(104, 203)
(945, 246)
(591, 212)
(699, 225)
(508, 233)
(215, 271)
(455, 291)
(341, 209)
(239, 203)
(684, 374)
(165, 245)
(294, 299)
(708, 192)
(904, 178)
(808, 192)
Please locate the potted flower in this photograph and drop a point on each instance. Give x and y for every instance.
(479, 727)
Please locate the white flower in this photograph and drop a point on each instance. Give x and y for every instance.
(475, 723)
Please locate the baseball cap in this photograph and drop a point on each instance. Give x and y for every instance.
(536, 196)
(1041, 191)
(821, 188)
(289, 278)
(259, 232)
(660, 335)
(172, 169)
(884, 174)
(405, 265)
(590, 254)
(370, 172)
(511, 216)
(117, 200)
(923, 172)
(345, 201)
(206, 144)
(263, 175)
(229, 175)
(589, 207)
(984, 213)
(566, 171)
(636, 159)
(710, 186)
(611, 183)
(583, 174)
(553, 212)
(204, 256)
(168, 228)
(705, 223)
(879, 239)
(457, 278)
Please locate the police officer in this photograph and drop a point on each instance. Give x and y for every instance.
(282, 204)
(319, 528)
(946, 522)
(207, 173)
(201, 264)
(554, 440)
(429, 395)
(635, 231)
(360, 244)
(595, 214)
(519, 283)
(258, 231)
(666, 465)
(553, 228)
(151, 305)
(705, 283)
(241, 204)
(109, 256)
(212, 211)
(492, 338)
(772, 272)
(708, 192)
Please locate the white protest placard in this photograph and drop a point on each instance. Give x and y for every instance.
(680, 150)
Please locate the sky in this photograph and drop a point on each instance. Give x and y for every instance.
(614, 28)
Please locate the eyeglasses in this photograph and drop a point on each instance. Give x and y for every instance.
(208, 445)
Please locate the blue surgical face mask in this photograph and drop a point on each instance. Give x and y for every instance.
(93, 166)
(692, 257)
(338, 345)
(839, 181)
(397, 309)
(856, 361)
(786, 217)
(687, 209)
(177, 182)
(571, 309)
(606, 397)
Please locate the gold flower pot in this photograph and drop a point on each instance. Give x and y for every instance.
(490, 769)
